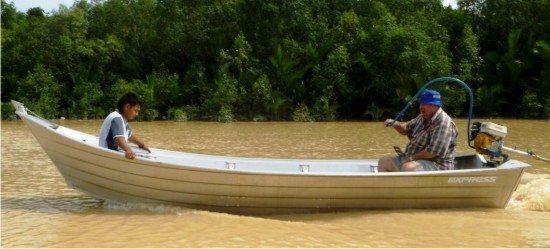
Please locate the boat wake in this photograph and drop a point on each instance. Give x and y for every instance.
(532, 194)
(149, 207)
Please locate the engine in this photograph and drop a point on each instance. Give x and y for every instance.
(489, 140)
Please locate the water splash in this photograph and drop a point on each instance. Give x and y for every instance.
(533, 193)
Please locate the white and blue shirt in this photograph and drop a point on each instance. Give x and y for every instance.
(113, 126)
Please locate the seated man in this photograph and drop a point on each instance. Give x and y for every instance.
(433, 137)
(115, 131)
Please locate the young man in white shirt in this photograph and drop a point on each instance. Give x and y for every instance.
(115, 132)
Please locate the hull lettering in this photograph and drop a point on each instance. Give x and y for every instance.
(473, 179)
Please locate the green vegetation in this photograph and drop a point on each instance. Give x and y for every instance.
(299, 60)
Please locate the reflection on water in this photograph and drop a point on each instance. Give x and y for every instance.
(38, 210)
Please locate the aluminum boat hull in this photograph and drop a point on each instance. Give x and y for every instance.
(265, 186)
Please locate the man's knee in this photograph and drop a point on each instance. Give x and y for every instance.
(409, 166)
(386, 164)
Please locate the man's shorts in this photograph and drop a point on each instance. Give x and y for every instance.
(421, 165)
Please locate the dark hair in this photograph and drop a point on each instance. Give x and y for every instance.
(128, 98)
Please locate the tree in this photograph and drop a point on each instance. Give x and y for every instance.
(287, 72)
(219, 104)
(251, 59)
(166, 90)
(508, 32)
(9, 15)
(87, 101)
(262, 96)
(41, 91)
(410, 57)
(332, 80)
(468, 61)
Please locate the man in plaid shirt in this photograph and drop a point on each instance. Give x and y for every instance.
(433, 137)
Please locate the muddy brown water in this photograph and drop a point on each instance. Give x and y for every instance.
(39, 210)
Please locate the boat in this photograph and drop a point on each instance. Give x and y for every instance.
(259, 186)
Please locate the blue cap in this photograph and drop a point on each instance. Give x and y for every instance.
(431, 97)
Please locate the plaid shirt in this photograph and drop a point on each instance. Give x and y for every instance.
(439, 137)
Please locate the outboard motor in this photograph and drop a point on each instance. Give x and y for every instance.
(489, 140)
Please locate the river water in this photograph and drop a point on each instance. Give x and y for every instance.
(39, 210)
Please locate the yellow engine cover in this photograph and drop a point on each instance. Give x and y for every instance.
(482, 142)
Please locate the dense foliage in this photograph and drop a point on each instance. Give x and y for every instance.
(276, 60)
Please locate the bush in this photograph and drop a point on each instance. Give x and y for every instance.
(530, 106)
(259, 118)
(86, 101)
(177, 114)
(225, 115)
(192, 112)
(8, 111)
(376, 112)
(150, 114)
(547, 107)
(220, 100)
(301, 114)
(325, 110)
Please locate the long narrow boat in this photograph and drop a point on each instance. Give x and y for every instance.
(265, 186)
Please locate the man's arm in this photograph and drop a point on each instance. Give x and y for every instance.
(400, 127)
(136, 140)
(121, 142)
